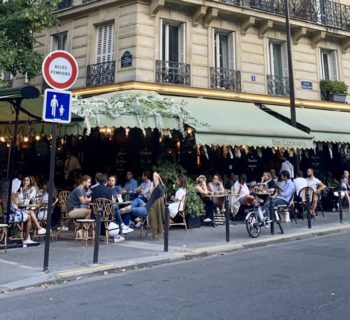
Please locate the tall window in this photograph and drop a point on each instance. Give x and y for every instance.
(105, 43)
(329, 64)
(224, 50)
(172, 41)
(59, 41)
(6, 77)
(278, 59)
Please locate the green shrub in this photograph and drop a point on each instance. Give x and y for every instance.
(329, 87)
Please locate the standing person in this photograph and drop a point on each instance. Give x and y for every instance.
(78, 201)
(316, 185)
(216, 188)
(202, 190)
(131, 183)
(145, 188)
(299, 182)
(71, 164)
(287, 165)
(232, 178)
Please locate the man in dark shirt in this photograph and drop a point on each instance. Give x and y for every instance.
(102, 191)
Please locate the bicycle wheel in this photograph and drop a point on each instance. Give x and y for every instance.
(278, 220)
(252, 225)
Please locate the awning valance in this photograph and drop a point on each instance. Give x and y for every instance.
(325, 125)
(236, 123)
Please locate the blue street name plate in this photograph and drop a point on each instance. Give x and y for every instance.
(306, 85)
(57, 106)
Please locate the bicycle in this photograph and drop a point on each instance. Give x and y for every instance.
(254, 221)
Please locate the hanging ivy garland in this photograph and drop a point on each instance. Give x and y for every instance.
(140, 105)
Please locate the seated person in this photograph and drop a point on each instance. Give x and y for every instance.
(27, 191)
(145, 188)
(216, 187)
(131, 183)
(139, 208)
(27, 217)
(267, 182)
(299, 183)
(112, 183)
(241, 188)
(284, 197)
(177, 203)
(102, 191)
(316, 185)
(202, 190)
(232, 178)
(78, 202)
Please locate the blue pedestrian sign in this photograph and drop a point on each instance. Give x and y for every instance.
(57, 106)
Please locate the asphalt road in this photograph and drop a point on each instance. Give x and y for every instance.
(297, 280)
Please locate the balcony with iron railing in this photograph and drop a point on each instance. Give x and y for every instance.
(228, 79)
(173, 72)
(327, 12)
(100, 74)
(277, 85)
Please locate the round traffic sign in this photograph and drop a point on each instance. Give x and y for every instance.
(60, 70)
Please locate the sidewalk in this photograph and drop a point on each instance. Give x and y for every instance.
(70, 260)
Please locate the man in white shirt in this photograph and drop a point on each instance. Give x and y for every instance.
(287, 165)
(316, 185)
(299, 183)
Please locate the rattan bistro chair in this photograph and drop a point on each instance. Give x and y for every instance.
(63, 197)
(181, 214)
(106, 207)
(304, 193)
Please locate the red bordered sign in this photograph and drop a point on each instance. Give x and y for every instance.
(60, 70)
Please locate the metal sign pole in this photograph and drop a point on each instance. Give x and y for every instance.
(51, 191)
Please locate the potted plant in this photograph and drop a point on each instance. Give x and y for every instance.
(194, 205)
(333, 90)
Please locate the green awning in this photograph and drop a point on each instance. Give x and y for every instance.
(325, 125)
(235, 123)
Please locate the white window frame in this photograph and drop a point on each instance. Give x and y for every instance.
(231, 46)
(181, 40)
(55, 45)
(284, 61)
(105, 31)
(332, 64)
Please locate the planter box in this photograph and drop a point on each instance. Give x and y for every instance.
(193, 222)
(337, 97)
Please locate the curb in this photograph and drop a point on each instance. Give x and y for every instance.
(47, 279)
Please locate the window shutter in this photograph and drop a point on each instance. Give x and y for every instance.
(182, 43)
(161, 44)
(105, 43)
(54, 43)
(333, 62)
(284, 59)
(271, 67)
(231, 51)
(216, 62)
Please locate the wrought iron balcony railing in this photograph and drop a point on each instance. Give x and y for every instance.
(100, 74)
(277, 85)
(65, 4)
(325, 12)
(173, 72)
(228, 79)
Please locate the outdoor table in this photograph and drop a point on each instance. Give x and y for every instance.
(33, 206)
(124, 203)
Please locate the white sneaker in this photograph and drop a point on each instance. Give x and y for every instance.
(138, 224)
(42, 231)
(28, 241)
(118, 239)
(64, 228)
(207, 220)
(126, 229)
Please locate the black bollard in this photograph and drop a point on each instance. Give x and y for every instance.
(308, 209)
(272, 225)
(340, 207)
(166, 228)
(97, 236)
(227, 220)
